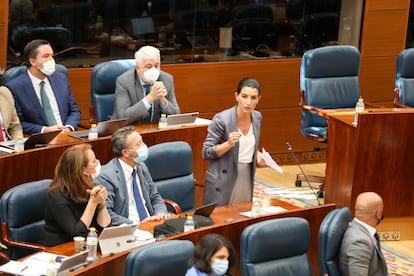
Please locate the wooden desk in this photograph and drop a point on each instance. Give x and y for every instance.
(115, 265)
(376, 155)
(35, 164)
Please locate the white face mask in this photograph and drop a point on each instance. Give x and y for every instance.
(150, 76)
(142, 154)
(49, 67)
(219, 267)
(97, 171)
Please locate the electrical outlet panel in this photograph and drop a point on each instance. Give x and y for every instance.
(389, 235)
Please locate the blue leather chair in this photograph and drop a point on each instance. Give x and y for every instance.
(276, 247)
(22, 214)
(103, 84)
(329, 79)
(13, 72)
(331, 232)
(161, 258)
(171, 168)
(404, 81)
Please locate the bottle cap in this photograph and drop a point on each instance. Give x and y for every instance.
(164, 115)
(93, 125)
(190, 217)
(92, 229)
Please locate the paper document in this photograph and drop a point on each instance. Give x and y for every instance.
(270, 162)
(33, 266)
(265, 211)
(143, 237)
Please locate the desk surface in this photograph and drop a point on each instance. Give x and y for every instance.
(114, 265)
(39, 163)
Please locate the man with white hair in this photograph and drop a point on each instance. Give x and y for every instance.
(360, 252)
(145, 92)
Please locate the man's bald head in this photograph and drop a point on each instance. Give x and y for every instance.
(369, 207)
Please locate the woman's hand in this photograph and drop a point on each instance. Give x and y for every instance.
(98, 194)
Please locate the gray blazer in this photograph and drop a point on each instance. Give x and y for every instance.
(359, 254)
(113, 178)
(222, 171)
(129, 94)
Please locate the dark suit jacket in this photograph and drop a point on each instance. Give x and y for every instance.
(222, 171)
(112, 177)
(29, 109)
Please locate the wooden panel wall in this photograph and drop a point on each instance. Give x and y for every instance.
(209, 87)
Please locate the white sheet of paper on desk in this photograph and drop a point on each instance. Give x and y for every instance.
(270, 162)
(24, 269)
(265, 211)
(142, 235)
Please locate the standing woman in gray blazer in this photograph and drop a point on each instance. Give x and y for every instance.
(231, 147)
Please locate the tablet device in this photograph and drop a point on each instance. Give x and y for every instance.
(117, 238)
(205, 210)
(72, 262)
(34, 141)
(183, 119)
(105, 128)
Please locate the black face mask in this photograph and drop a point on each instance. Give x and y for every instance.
(380, 219)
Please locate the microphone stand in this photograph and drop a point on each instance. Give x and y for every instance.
(289, 147)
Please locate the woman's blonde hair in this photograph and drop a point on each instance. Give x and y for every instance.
(69, 177)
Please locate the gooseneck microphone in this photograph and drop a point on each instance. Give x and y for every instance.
(289, 147)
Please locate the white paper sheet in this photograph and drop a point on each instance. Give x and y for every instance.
(270, 162)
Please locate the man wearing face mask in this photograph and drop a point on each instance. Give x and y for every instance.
(43, 98)
(132, 195)
(145, 92)
(360, 252)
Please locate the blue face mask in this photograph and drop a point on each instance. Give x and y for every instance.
(220, 267)
(142, 154)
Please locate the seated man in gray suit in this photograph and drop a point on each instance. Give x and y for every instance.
(145, 92)
(360, 252)
(132, 195)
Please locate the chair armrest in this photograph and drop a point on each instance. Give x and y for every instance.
(4, 258)
(7, 240)
(396, 100)
(174, 205)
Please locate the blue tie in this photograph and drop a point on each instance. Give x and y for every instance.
(378, 242)
(138, 200)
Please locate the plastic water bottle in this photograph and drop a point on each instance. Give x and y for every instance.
(19, 144)
(359, 107)
(93, 132)
(256, 206)
(52, 268)
(92, 244)
(189, 224)
(162, 123)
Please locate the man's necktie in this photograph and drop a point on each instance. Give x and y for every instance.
(378, 242)
(46, 105)
(1, 132)
(138, 200)
(147, 91)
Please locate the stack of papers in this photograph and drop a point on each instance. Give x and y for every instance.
(34, 265)
(265, 211)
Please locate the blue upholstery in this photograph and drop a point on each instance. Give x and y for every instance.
(23, 209)
(103, 84)
(328, 80)
(276, 247)
(161, 258)
(331, 232)
(404, 81)
(171, 168)
(13, 72)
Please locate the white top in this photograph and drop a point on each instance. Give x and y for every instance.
(132, 207)
(246, 146)
(2, 128)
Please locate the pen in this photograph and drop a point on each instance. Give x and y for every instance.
(24, 268)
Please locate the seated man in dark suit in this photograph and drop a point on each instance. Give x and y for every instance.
(43, 98)
(132, 195)
(360, 252)
(145, 92)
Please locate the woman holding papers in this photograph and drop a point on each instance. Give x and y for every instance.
(231, 147)
(75, 203)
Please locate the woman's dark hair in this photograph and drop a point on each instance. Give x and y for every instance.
(249, 82)
(207, 247)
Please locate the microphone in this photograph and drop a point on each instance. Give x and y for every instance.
(289, 147)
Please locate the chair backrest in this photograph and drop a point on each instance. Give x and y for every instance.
(331, 232)
(103, 84)
(161, 258)
(328, 79)
(13, 72)
(404, 80)
(171, 168)
(276, 247)
(22, 209)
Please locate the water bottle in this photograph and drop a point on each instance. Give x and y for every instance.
(359, 107)
(52, 268)
(256, 206)
(189, 224)
(162, 123)
(92, 244)
(93, 132)
(19, 144)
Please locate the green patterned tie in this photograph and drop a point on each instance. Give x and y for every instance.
(147, 91)
(46, 105)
